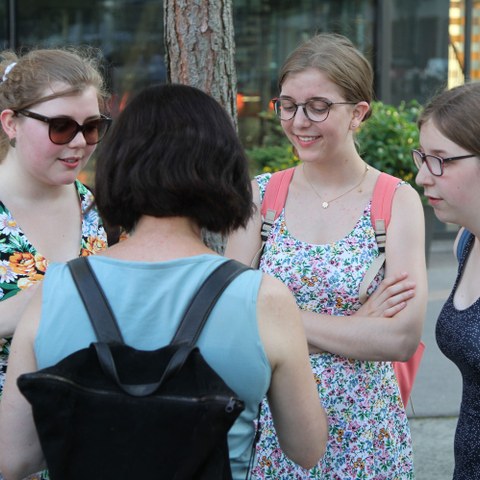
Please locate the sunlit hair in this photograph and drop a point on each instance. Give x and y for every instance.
(174, 151)
(455, 113)
(37, 70)
(337, 57)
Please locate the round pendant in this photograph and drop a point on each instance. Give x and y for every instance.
(325, 204)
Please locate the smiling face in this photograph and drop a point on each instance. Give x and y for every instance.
(316, 141)
(454, 195)
(44, 161)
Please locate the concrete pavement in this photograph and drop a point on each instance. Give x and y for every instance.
(437, 390)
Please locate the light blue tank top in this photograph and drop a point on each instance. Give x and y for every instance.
(148, 300)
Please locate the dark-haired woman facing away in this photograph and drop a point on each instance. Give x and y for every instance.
(173, 165)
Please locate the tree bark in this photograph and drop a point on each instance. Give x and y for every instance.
(200, 48)
(200, 51)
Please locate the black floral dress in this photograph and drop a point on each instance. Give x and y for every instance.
(21, 265)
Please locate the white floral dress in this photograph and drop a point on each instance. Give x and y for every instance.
(369, 435)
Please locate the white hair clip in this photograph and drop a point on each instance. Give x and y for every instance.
(7, 71)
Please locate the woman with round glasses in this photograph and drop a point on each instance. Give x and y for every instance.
(449, 171)
(52, 105)
(321, 247)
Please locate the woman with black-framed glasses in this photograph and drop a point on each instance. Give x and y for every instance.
(322, 245)
(449, 171)
(52, 113)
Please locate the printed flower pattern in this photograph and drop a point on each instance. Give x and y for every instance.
(369, 436)
(21, 266)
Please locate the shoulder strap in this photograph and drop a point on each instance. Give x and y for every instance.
(105, 324)
(462, 243)
(276, 191)
(381, 208)
(273, 201)
(204, 300)
(380, 213)
(96, 304)
(106, 327)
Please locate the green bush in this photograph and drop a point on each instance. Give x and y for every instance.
(272, 158)
(276, 152)
(386, 139)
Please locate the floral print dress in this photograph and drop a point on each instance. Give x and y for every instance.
(369, 435)
(22, 266)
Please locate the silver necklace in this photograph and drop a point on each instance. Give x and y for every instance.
(326, 203)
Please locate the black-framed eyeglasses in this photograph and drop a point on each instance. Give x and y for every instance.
(315, 109)
(62, 130)
(435, 164)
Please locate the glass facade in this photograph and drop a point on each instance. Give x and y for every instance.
(419, 53)
(407, 41)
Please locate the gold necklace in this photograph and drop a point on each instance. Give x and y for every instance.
(326, 203)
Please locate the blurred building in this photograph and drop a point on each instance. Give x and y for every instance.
(415, 46)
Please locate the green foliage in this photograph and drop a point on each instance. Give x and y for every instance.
(386, 139)
(272, 158)
(276, 152)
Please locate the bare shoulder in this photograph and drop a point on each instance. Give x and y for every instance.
(407, 209)
(274, 294)
(255, 192)
(406, 193)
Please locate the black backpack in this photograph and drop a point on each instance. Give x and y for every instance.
(110, 411)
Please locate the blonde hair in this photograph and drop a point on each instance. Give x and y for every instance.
(337, 57)
(26, 77)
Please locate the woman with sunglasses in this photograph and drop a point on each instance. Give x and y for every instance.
(321, 246)
(51, 110)
(449, 171)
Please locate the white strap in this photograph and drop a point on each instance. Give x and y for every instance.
(370, 274)
(377, 264)
(267, 225)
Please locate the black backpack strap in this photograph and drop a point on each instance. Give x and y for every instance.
(205, 299)
(106, 327)
(96, 304)
(198, 311)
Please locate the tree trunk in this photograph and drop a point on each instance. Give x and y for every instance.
(200, 49)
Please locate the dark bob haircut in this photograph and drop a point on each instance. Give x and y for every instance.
(174, 151)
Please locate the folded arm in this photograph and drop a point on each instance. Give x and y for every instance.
(389, 325)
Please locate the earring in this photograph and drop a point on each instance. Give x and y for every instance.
(354, 125)
(12, 142)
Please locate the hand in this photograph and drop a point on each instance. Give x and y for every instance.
(389, 298)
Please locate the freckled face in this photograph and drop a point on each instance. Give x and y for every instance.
(44, 161)
(315, 141)
(454, 195)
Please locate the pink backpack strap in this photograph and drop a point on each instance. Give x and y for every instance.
(276, 191)
(382, 199)
(274, 199)
(380, 213)
(273, 202)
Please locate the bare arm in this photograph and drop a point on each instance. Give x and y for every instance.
(299, 418)
(12, 309)
(20, 452)
(389, 336)
(244, 243)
